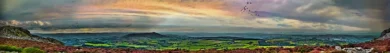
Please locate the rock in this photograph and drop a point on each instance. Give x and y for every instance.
(20, 33)
(384, 35)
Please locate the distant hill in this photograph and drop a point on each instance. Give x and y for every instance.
(20, 33)
(225, 37)
(384, 35)
(149, 35)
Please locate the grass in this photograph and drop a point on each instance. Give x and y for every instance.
(276, 46)
(98, 45)
(22, 50)
(130, 45)
(136, 46)
(10, 48)
(193, 45)
(32, 50)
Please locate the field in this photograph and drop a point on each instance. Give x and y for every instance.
(183, 44)
(203, 44)
(171, 42)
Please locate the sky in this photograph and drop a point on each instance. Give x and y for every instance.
(230, 16)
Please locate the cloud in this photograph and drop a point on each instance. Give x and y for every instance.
(330, 12)
(297, 24)
(194, 15)
(26, 23)
(236, 26)
(38, 9)
(303, 8)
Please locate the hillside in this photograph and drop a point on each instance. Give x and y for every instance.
(384, 35)
(55, 48)
(380, 44)
(23, 34)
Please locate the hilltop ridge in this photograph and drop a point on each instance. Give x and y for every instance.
(23, 34)
(384, 35)
(152, 34)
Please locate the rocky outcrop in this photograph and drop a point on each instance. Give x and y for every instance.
(20, 33)
(385, 35)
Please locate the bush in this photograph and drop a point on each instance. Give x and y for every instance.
(10, 48)
(304, 50)
(339, 52)
(32, 50)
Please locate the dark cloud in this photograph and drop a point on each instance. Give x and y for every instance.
(143, 22)
(293, 15)
(288, 11)
(310, 18)
(383, 15)
(387, 13)
(2, 9)
(381, 5)
(362, 4)
(264, 14)
(352, 4)
(284, 25)
(60, 13)
(229, 29)
(41, 9)
(373, 9)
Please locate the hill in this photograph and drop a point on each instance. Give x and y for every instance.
(380, 44)
(384, 35)
(225, 37)
(149, 35)
(23, 34)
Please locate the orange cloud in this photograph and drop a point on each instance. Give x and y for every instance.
(213, 8)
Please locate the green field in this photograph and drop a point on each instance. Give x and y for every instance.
(201, 44)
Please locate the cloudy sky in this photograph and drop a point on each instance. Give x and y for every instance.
(90, 16)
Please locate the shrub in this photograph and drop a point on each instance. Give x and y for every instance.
(32, 50)
(10, 48)
(304, 50)
(339, 52)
